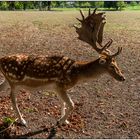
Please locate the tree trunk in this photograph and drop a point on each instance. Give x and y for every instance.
(12, 5)
(40, 6)
(49, 5)
(24, 5)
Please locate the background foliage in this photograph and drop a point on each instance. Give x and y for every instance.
(49, 5)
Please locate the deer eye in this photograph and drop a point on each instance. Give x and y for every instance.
(102, 61)
(113, 60)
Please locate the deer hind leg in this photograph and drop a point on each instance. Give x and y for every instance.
(66, 102)
(3, 85)
(15, 106)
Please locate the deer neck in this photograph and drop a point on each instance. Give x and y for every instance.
(89, 70)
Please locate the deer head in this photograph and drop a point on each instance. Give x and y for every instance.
(91, 32)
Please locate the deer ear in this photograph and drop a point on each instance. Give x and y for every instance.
(102, 61)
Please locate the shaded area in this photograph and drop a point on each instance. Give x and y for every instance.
(8, 132)
(51, 133)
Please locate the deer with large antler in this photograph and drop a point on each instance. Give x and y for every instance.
(62, 73)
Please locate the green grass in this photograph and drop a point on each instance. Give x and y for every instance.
(85, 9)
(128, 8)
(8, 120)
(132, 8)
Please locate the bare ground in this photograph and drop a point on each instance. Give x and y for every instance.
(104, 108)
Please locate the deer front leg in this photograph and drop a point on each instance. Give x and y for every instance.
(66, 102)
(15, 106)
(63, 109)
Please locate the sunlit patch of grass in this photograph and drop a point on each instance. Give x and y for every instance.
(137, 7)
(8, 120)
(49, 93)
(30, 110)
(38, 23)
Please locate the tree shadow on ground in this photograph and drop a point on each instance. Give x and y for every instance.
(51, 133)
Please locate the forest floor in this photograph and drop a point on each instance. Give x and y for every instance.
(104, 107)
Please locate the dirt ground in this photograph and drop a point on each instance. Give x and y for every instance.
(104, 107)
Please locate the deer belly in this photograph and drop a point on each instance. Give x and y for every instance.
(41, 74)
(34, 82)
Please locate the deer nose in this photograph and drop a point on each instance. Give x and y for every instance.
(122, 78)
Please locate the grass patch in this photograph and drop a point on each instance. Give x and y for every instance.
(30, 110)
(84, 9)
(8, 120)
(128, 8)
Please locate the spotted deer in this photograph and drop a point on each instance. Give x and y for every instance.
(61, 72)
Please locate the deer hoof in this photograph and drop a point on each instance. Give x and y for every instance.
(67, 122)
(63, 122)
(24, 123)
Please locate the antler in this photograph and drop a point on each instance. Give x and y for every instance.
(117, 53)
(91, 31)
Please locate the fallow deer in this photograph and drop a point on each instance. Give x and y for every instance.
(61, 72)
